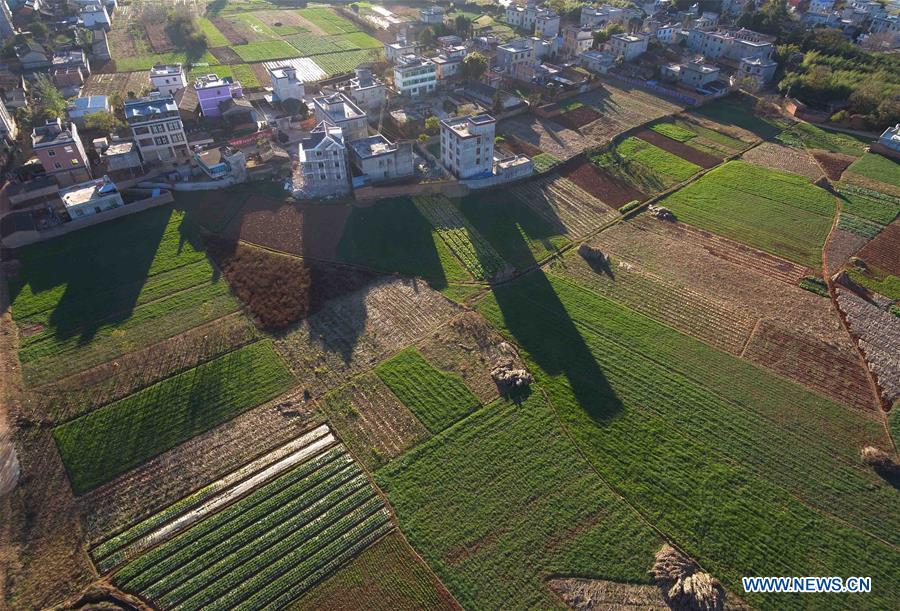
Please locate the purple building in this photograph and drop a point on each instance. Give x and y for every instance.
(212, 91)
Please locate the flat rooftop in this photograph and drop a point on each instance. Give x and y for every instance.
(373, 146)
(166, 70)
(462, 125)
(143, 108)
(87, 191)
(338, 107)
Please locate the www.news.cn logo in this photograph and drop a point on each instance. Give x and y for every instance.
(806, 585)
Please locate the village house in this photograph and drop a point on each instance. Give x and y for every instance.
(366, 90)
(447, 63)
(394, 51)
(577, 40)
(285, 84)
(100, 47)
(534, 19)
(628, 46)
(598, 62)
(7, 28)
(338, 110)
(32, 56)
(734, 45)
(431, 15)
(213, 91)
(157, 128)
(754, 72)
(322, 163)
(95, 16)
(222, 162)
(79, 108)
(599, 17)
(890, 139)
(120, 158)
(167, 78)
(91, 197)
(380, 160)
(59, 149)
(414, 76)
(467, 145)
(515, 59)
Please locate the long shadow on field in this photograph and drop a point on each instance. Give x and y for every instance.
(102, 269)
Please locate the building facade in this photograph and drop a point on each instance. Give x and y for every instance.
(340, 111)
(157, 128)
(515, 58)
(322, 163)
(467, 145)
(577, 40)
(58, 147)
(381, 160)
(415, 76)
(168, 78)
(367, 91)
(91, 197)
(213, 91)
(628, 46)
(285, 84)
(9, 131)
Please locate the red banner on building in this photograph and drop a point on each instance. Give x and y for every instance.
(252, 138)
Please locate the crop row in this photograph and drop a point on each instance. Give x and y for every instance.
(467, 244)
(271, 560)
(149, 567)
(859, 226)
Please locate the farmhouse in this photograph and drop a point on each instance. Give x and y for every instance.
(577, 40)
(338, 110)
(414, 76)
(79, 108)
(94, 16)
(322, 163)
(285, 84)
(32, 56)
(213, 92)
(628, 46)
(221, 162)
(515, 58)
(90, 198)
(467, 145)
(379, 159)
(167, 78)
(59, 149)
(157, 128)
(394, 51)
(432, 14)
(366, 90)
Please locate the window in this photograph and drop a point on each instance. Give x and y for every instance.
(177, 138)
(161, 140)
(158, 129)
(321, 165)
(173, 126)
(51, 153)
(57, 165)
(146, 142)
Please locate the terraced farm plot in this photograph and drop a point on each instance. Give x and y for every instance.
(513, 228)
(878, 334)
(271, 546)
(882, 251)
(265, 50)
(784, 158)
(544, 162)
(859, 226)
(643, 165)
(437, 398)
(622, 109)
(740, 111)
(371, 420)
(639, 400)
(309, 45)
(679, 149)
(107, 442)
(876, 172)
(809, 136)
(870, 205)
(496, 504)
(877, 281)
(385, 577)
(328, 20)
(346, 61)
(213, 35)
(774, 211)
(394, 236)
(612, 191)
(469, 246)
(564, 205)
(545, 135)
(140, 280)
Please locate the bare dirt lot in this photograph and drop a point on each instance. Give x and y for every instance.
(884, 250)
(611, 191)
(841, 246)
(546, 135)
(121, 82)
(833, 164)
(622, 108)
(786, 158)
(689, 153)
(229, 31)
(578, 118)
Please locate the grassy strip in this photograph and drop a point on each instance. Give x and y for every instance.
(671, 167)
(806, 135)
(214, 37)
(107, 442)
(345, 61)
(436, 397)
(544, 162)
(778, 212)
(145, 62)
(877, 210)
(741, 113)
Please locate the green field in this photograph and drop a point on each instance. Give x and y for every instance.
(268, 548)
(309, 45)
(436, 397)
(877, 280)
(778, 212)
(265, 51)
(740, 111)
(673, 131)
(544, 162)
(393, 236)
(107, 442)
(137, 280)
(859, 226)
(257, 25)
(881, 209)
(145, 62)
(386, 577)
(503, 499)
(328, 20)
(806, 135)
(242, 73)
(878, 168)
(647, 167)
(513, 229)
(214, 37)
(346, 61)
(737, 466)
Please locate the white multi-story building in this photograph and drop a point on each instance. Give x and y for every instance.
(515, 58)
(628, 46)
(415, 76)
(449, 60)
(157, 128)
(734, 45)
(322, 167)
(432, 15)
(540, 20)
(8, 129)
(577, 40)
(381, 160)
(167, 78)
(285, 84)
(395, 51)
(467, 145)
(90, 198)
(598, 17)
(340, 111)
(366, 90)
(755, 72)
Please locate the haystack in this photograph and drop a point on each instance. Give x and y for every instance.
(508, 377)
(683, 585)
(661, 212)
(878, 459)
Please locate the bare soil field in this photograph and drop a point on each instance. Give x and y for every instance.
(373, 423)
(310, 230)
(884, 250)
(261, 74)
(579, 117)
(611, 191)
(841, 246)
(469, 346)
(185, 468)
(622, 109)
(587, 594)
(688, 153)
(229, 31)
(520, 147)
(226, 55)
(358, 330)
(159, 37)
(833, 164)
(780, 157)
(564, 205)
(878, 333)
(546, 135)
(287, 18)
(82, 392)
(120, 82)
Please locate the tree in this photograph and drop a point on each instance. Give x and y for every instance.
(432, 125)
(47, 101)
(103, 121)
(426, 37)
(601, 36)
(463, 26)
(295, 108)
(473, 66)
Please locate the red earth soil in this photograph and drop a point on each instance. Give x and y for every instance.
(884, 251)
(229, 31)
(309, 230)
(579, 117)
(832, 164)
(686, 152)
(520, 147)
(226, 55)
(609, 190)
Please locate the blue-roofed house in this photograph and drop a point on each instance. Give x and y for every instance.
(79, 108)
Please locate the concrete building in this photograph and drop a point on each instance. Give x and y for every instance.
(734, 45)
(157, 128)
(222, 162)
(515, 58)
(546, 24)
(698, 74)
(9, 131)
(598, 62)
(467, 145)
(7, 28)
(628, 46)
(100, 47)
(95, 16)
(431, 15)
(285, 84)
(213, 91)
(322, 163)
(121, 158)
(599, 17)
(90, 198)
(340, 111)
(754, 72)
(414, 76)
(394, 51)
(167, 78)
(59, 149)
(32, 57)
(890, 138)
(380, 160)
(79, 108)
(577, 40)
(449, 60)
(366, 90)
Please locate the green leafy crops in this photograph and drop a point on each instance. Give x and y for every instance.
(877, 167)
(671, 167)
(775, 211)
(675, 132)
(881, 210)
(265, 50)
(107, 442)
(438, 398)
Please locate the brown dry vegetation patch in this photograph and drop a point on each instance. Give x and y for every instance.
(609, 190)
(102, 596)
(785, 158)
(520, 147)
(689, 153)
(622, 108)
(579, 117)
(545, 135)
(884, 250)
(309, 230)
(229, 31)
(878, 334)
(833, 164)
(841, 246)
(275, 288)
(261, 74)
(588, 594)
